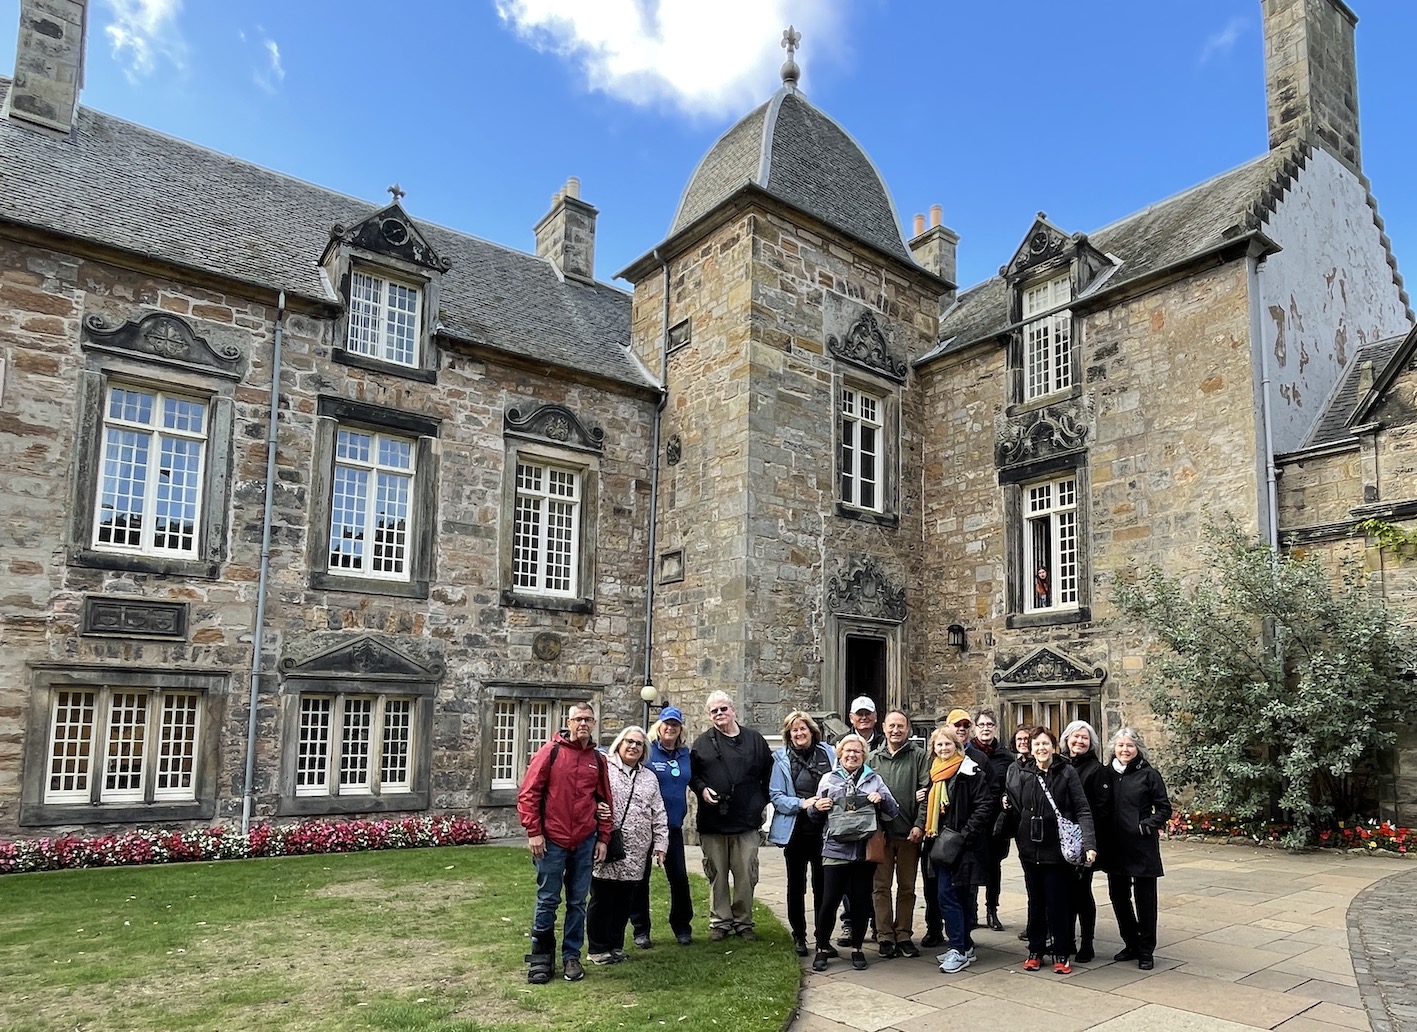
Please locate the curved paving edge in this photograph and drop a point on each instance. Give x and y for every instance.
(1382, 938)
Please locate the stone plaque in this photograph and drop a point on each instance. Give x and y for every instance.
(121, 617)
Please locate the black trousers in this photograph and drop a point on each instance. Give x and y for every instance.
(608, 914)
(1137, 924)
(994, 871)
(934, 923)
(1050, 907)
(1084, 905)
(850, 881)
(681, 902)
(802, 855)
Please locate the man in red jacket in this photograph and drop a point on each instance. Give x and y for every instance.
(557, 807)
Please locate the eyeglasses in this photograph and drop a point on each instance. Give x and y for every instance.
(719, 709)
(582, 720)
(636, 744)
(983, 723)
(963, 723)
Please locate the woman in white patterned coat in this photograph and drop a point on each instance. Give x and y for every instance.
(637, 809)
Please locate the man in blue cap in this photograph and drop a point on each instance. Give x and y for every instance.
(669, 759)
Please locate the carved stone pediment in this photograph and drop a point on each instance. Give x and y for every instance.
(862, 588)
(1048, 667)
(554, 423)
(168, 338)
(1042, 433)
(364, 657)
(866, 344)
(391, 232)
(1042, 243)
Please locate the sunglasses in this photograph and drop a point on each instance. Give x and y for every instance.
(719, 709)
(963, 723)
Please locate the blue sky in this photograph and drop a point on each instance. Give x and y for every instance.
(482, 108)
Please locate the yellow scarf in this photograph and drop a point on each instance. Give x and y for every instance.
(939, 798)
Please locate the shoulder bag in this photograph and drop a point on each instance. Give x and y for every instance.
(853, 820)
(1069, 832)
(615, 848)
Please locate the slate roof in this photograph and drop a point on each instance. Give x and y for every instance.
(1163, 234)
(801, 156)
(1342, 405)
(126, 186)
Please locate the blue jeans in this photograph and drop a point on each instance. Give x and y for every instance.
(951, 911)
(571, 868)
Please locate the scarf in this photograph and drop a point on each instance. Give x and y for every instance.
(987, 750)
(940, 772)
(1118, 766)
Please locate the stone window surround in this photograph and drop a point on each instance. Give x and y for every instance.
(586, 465)
(50, 678)
(522, 692)
(1066, 699)
(150, 373)
(1018, 579)
(1017, 350)
(343, 261)
(333, 413)
(888, 454)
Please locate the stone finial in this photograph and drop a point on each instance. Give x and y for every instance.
(790, 72)
(397, 193)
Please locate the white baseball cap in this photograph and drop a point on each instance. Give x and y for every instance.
(863, 702)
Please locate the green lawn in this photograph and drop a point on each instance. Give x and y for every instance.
(411, 940)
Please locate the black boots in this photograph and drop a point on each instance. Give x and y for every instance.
(991, 919)
(541, 961)
(1085, 954)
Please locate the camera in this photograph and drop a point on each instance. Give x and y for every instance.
(1035, 829)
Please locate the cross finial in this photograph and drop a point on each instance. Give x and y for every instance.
(790, 72)
(397, 192)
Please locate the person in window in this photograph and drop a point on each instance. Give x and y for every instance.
(637, 809)
(669, 759)
(1047, 877)
(797, 769)
(959, 800)
(998, 760)
(1041, 593)
(846, 871)
(1140, 809)
(1081, 749)
(566, 832)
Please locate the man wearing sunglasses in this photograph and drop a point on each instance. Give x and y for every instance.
(731, 769)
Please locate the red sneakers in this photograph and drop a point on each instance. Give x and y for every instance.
(1033, 963)
(1061, 966)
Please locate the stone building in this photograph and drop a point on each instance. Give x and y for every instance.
(792, 462)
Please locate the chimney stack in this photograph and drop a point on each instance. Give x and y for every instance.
(1311, 76)
(936, 249)
(567, 234)
(49, 63)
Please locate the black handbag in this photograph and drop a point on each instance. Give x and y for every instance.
(615, 848)
(947, 848)
(853, 821)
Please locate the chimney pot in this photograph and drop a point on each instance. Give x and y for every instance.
(573, 187)
(936, 214)
(919, 224)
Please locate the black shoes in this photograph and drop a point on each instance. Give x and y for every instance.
(1086, 954)
(571, 968)
(643, 942)
(886, 949)
(991, 920)
(1126, 953)
(906, 949)
(684, 938)
(932, 939)
(858, 960)
(799, 943)
(541, 968)
(819, 962)
(1146, 963)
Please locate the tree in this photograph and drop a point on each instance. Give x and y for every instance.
(1279, 681)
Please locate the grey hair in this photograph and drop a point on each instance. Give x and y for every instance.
(852, 738)
(718, 696)
(1135, 736)
(1082, 725)
(631, 729)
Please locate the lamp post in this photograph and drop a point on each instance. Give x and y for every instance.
(650, 694)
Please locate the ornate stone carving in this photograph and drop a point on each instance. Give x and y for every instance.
(546, 647)
(554, 423)
(1041, 433)
(674, 450)
(165, 336)
(137, 617)
(365, 656)
(1043, 243)
(393, 233)
(865, 344)
(1047, 667)
(863, 589)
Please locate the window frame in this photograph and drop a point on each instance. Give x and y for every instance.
(1068, 703)
(502, 791)
(346, 262)
(886, 511)
(96, 804)
(382, 312)
(1058, 512)
(1060, 356)
(374, 761)
(579, 597)
(1022, 612)
(333, 415)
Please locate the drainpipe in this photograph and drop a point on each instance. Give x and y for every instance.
(248, 791)
(654, 491)
(1271, 497)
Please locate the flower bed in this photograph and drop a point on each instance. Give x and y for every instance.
(1370, 835)
(225, 842)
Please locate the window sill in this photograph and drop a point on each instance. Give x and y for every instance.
(1044, 400)
(325, 581)
(127, 562)
(500, 797)
(1049, 618)
(518, 600)
(48, 814)
(880, 519)
(312, 806)
(377, 365)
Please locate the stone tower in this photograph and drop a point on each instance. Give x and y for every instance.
(783, 311)
(1311, 76)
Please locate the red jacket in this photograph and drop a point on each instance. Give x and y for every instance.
(558, 800)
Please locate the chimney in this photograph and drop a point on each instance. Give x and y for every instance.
(1311, 76)
(935, 249)
(567, 234)
(49, 63)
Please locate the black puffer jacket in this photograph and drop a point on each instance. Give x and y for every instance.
(1096, 786)
(1027, 797)
(971, 813)
(1140, 809)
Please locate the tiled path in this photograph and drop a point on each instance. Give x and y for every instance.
(1249, 938)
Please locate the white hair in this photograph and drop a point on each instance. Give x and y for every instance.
(1093, 744)
(718, 696)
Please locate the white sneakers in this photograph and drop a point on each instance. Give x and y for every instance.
(953, 960)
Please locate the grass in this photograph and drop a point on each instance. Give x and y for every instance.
(420, 940)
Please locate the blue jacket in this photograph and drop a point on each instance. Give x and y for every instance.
(674, 790)
(786, 804)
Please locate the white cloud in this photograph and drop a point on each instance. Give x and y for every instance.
(271, 74)
(1222, 42)
(711, 58)
(144, 31)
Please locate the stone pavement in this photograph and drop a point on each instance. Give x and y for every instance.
(1249, 938)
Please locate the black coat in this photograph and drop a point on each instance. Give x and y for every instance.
(971, 813)
(1139, 812)
(1027, 797)
(739, 770)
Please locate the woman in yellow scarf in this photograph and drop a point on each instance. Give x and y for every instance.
(958, 802)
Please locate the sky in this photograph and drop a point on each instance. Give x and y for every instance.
(481, 109)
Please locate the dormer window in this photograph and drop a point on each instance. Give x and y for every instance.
(383, 318)
(1047, 338)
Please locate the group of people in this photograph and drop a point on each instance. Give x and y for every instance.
(860, 822)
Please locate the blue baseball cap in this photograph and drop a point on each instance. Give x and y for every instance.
(671, 713)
